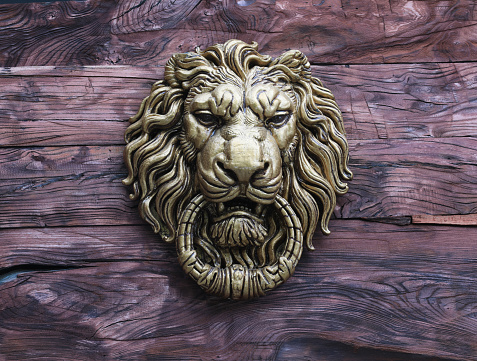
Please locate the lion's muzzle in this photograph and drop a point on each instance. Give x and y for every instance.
(240, 171)
(243, 159)
(238, 162)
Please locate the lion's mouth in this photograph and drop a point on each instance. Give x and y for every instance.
(238, 223)
(240, 207)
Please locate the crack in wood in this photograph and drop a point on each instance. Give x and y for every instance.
(9, 274)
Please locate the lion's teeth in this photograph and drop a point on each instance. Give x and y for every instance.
(220, 207)
(259, 209)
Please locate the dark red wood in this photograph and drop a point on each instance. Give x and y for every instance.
(50, 106)
(120, 292)
(59, 186)
(82, 277)
(146, 33)
(458, 219)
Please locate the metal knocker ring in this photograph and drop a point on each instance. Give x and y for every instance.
(237, 281)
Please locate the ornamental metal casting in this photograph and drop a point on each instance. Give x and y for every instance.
(237, 158)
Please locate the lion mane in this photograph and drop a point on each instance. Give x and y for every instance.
(161, 161)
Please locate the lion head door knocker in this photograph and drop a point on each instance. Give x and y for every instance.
(237, 157)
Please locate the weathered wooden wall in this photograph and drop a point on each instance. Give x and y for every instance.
(82, 277)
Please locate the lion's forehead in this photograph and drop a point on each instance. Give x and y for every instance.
(265, 100)
(226, 100)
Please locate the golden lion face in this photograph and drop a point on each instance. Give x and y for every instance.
(239, 134)
(236, 158)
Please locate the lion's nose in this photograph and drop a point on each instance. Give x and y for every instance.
(244, 158)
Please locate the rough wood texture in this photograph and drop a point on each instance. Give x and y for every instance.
(29, 246)
(148, 32)
(129, 300)
(137, 310)
(408, 177)
(459, 219)
(58, 186)
(82, 277)
(66, 106)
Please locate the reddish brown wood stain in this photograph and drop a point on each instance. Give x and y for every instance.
(82, 277)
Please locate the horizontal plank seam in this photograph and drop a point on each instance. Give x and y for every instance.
(5, 71)
(384, 220)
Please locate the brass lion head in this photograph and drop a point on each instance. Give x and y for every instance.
(237, 157)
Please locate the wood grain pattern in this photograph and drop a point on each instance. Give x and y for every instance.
(50, 106)
(53, 162)
(82, 277)
(58, 186)
(79, 246)
(390, 290)
(405, 101)
(458, 219)
(52, 246)
(409, 177)
(94, 198)
(147, 32)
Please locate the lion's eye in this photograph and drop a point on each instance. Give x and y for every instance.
(207, 119)
(278, 120)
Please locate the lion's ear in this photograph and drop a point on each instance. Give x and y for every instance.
(296, 62)
(182, 68)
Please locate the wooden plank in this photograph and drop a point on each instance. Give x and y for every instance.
(80, 246)
(61, 186)
(88, 198)
(52, 162)
(325, 350)
(404, 289)
(405, 101)
(135, 311)
(51, 106)
(144, 33)
(84, 97)
(411, 177)
(70, 106)
(27, 163)
(458, 219)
